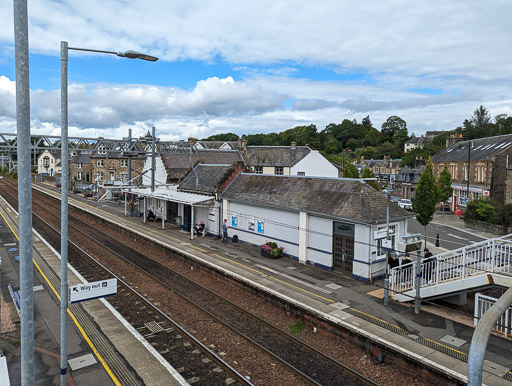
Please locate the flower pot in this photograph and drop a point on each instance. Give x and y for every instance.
(264, 253)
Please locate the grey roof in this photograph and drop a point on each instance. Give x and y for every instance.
(282, 156)
(177, 164)
(482, 149)
(83, 158)
(208, 177)
(351, 200)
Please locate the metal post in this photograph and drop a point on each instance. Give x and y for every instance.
(64, 212)
(24, 190)
(192, 222)
(386, 278)
(481, 337)
(469, 163)
(153, 155)
(129, 159)
(417, 300)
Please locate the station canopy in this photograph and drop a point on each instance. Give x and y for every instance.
(169, 193)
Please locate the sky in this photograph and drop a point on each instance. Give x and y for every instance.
(249, 67)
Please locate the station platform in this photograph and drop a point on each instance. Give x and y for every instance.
(102, 348)
(438, 341)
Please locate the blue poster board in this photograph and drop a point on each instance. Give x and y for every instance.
(261, 227)
(234, 221)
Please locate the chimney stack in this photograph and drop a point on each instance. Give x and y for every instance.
(294, 145)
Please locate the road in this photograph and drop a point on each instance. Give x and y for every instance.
(449, 238)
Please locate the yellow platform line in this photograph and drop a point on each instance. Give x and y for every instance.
(93, 348)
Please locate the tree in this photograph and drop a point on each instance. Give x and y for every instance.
(425, 197)
(222, 137)
(392, 126)
(445, 189)
(349, 170)
(368, 173)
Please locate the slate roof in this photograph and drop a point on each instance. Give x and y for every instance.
(281, 156)
(177, 164)
(83, 158)
(482, 149)
(350, 200)
(207, 175)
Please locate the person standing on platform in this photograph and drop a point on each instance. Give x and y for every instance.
(225, 232)
(131, 205)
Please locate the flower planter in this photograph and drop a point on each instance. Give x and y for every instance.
(267, 254)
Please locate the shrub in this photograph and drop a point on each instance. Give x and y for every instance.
(297, 327)
(272, 248)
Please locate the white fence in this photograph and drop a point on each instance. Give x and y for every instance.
(482, 305)
(494, 255)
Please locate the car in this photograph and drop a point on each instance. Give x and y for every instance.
(404, 203)
(394, 199)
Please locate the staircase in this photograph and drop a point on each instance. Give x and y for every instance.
(483, 264)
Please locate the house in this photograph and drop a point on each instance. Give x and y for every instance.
(49, 163)
(80, 168)
(113, 166)
(328, 222)
(385, 169)
(489, 160)
(408, 178)
(288, 160)
(415, 142)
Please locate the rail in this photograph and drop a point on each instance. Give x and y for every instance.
(490, 256)
(482, 304)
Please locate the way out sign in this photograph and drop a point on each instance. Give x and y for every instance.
(89, 291)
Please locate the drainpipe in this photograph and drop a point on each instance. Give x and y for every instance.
(192, 222)
(481, 337)
(370, 243)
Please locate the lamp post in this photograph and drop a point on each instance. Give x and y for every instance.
(64, 49)
(469, 171)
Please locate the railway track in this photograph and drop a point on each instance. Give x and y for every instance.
(308, 364)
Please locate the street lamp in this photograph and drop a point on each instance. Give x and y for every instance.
(469, 163)
(64, 188)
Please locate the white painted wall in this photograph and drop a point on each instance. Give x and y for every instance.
(320, 241)
(279, 226)
(315, 164)
(160, 172)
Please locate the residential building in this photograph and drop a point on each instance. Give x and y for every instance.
(288, 160)
(385, 170)
(407, 180)
(49, 163)
(109, 168)
(489, 160)
(80, 168)
(415, 142)
(328, 222)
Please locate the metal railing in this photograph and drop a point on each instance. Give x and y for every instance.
(490, 256)
(482, 304)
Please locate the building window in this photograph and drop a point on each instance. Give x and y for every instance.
(279, 171)
(463, 194)
(102, 150)
(79, 176)
(480, 173)
(100, 176)
(99, 163)
(124, 177)
(79, 165)
(301, 174)
(258, 169)
(112, 176)
(46, 162)
(124, 163)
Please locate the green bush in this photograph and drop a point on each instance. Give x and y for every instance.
(297, 327)
(483, 210)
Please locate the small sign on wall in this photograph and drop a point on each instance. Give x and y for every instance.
(261, 226)
(234, 221)
(251, 224)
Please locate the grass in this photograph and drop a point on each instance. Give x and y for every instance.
(297, 327)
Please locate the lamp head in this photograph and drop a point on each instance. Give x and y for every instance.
(137, 55)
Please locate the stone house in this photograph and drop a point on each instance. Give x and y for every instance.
(111, 167)
(489, 160)
(80, 168)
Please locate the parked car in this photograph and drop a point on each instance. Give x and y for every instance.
(404, 203)
(394, 199)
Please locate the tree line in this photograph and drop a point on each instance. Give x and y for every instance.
(351, 139)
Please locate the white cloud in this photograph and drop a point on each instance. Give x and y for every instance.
(458, 49)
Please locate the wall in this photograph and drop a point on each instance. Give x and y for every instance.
(315, 164)
(160, 172)
(320, 241)
(279, 226)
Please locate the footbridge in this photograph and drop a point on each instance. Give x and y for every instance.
(476, 266)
